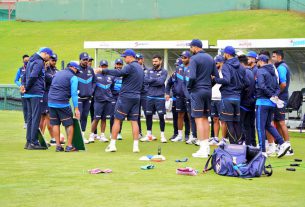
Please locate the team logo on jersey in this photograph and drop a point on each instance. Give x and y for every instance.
(89, 71)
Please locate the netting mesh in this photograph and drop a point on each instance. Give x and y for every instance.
(10, 98)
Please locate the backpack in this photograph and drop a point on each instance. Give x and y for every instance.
(238, 161)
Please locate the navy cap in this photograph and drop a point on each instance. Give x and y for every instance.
(178, 62)
(90, 58)
(229, 50)
(84, 56)
(252, 54)
(46, 50)
(73, 64)
(139, 56)
(128, 52)
(196, 42)
(263, 58)
(54, 56)
(186, 54)
(103, 62)
(118, 61)
(219, 59)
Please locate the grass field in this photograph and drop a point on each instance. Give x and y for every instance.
(47, 178)
(67, 37)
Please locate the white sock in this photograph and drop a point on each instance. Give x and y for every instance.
(162, 134)
(136, 143)
(180, 132)
(112, 142)
(203, 143)
(216, 138)
(148, 132)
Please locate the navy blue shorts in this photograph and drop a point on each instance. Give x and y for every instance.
(215, 108)
(279, 114)
(61, 115)
(127, 107)
(181, 104)
(155, 105)
(44, 104)
(103, 110)
(230, 110)
(201, 104)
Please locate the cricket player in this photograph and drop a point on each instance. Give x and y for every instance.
(267, 87)
(33, 87)
(64, 86)
(128, 103)
(18, 81)
(103, 99)
(155, 80)
(234, 80)
(45, 116)
(86, 84)
(202, 67)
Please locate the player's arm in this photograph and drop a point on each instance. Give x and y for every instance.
(17, 77)
(36, 69)
(192, 76)
(93, 82)
(118, 73)
(282, 77)
(159, 81)
(74, 96)
(226, 76)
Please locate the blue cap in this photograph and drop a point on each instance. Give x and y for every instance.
(229, 50)
(84, 56)
(186, 54)
(103, 62)
(118, 61)
(178, 62)
(46, 50)
(73, 64)
(128, 52)
(90, 58)
(263, 58)
(219, 59)
(54, 56)
(196, 43)
(139, 56)
(252, 54)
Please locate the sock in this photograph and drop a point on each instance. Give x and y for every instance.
(203, 143)
(180, 133)
(162, 134)
(136, 143)
(112, 142)
(216, 138)
(148, 132)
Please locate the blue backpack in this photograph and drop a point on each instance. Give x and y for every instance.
(238, 161)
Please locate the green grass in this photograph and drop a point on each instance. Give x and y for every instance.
(47, 178)
(67, 37)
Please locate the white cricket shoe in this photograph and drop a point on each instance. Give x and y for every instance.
(213, 141)
(110, 148)
(283, 149)
(91, 138)
(203, 152)
(163, 139)
(136, 149)
(147, 138)
(271, 150)
(177, 139)
(103, 138)
(223, 142)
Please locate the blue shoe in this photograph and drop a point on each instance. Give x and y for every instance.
(59, 148)
(70, 149)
